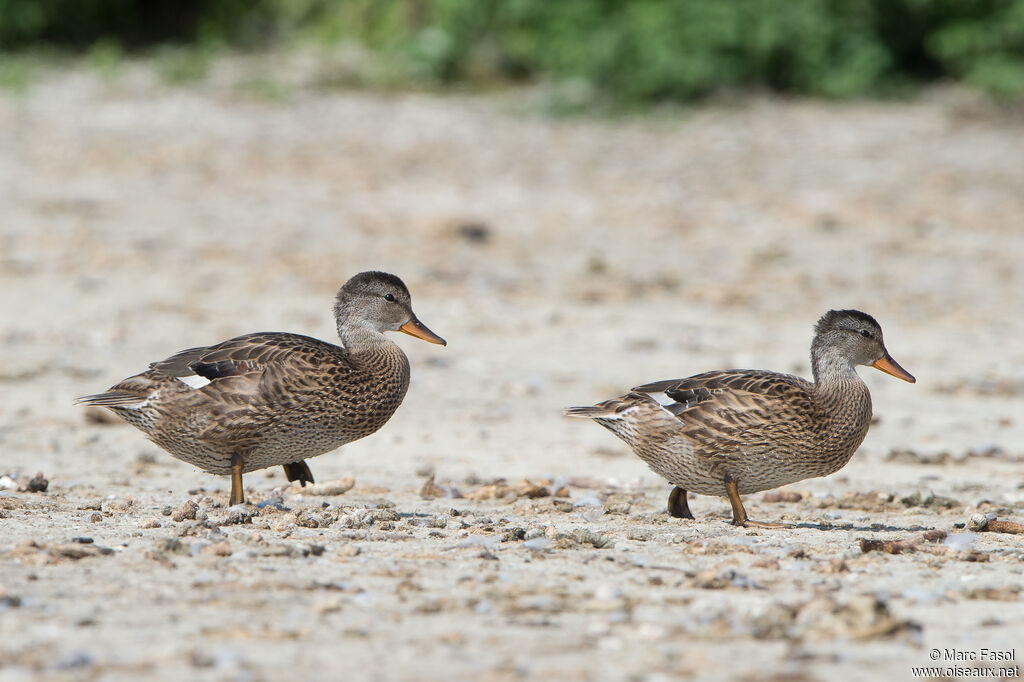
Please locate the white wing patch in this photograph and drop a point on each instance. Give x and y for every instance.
(194, 381)
(663, 401)
(660, 397)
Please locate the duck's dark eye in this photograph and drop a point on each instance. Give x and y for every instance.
(865, 333)
(389, 297)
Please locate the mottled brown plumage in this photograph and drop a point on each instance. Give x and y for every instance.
(271, 398)
(736, 432)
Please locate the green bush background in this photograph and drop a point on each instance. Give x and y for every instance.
(624, 52)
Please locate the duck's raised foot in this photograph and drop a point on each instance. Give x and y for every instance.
(298, 471)
(678, 506)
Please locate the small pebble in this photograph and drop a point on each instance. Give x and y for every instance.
(37, 484)
(474, 232)
(11, 601)
(331, 604)
(315, 517)
(514, 535)
(118, 506)
(172, 546)
(222, 548)
(239, 515)
(439, 521)
(977, 523)
(563, 505)
(187, 510)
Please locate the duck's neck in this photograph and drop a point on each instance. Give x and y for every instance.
(845, 404)
(833, 374)
(362, 339)
(381, 358)
(829, 368)
(379, 378)
(842, 384)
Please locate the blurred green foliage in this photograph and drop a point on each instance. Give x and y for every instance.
(617, 51)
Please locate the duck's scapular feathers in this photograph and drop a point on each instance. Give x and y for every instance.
(741, 431)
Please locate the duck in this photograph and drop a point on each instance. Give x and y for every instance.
(275, 398)
(741, 431)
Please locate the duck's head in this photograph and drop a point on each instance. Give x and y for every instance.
(856, 338)
(378, 302)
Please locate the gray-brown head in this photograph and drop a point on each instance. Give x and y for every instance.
(847, 338)
(372, 303)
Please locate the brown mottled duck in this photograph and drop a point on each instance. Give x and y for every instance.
(270, 398)
(740, 431)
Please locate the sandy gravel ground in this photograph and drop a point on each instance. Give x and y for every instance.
(564, 260)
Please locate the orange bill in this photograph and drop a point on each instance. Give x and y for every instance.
(890, 366)
(416, 328)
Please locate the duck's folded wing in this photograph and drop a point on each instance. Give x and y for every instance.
(735, 404)
(255, 368)
(240, 355)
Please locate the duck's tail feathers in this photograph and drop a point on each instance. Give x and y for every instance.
(112, 399)
(609, 409)
(585, 412)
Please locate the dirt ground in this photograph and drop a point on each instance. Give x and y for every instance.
(564, 260)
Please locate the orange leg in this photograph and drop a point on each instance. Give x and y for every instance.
(739, 514)
(237, 495)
